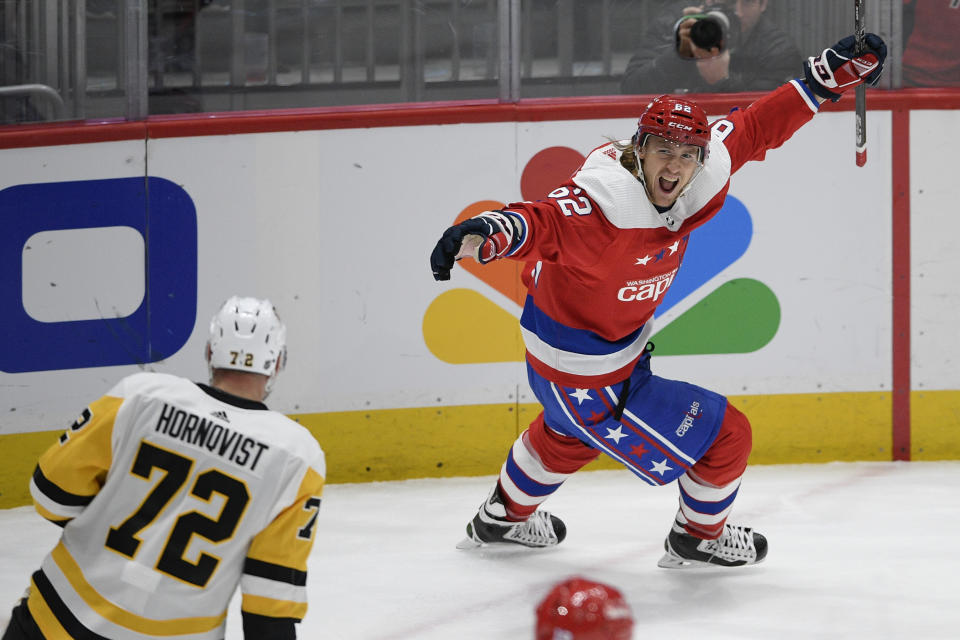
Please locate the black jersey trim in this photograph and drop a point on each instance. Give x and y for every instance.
(229, 398)
(22, 624)
(64, 616)
(257, 626)
(55, 493)
(277, 572)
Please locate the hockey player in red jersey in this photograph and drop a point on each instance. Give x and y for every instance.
(171, 494)
(602, 249)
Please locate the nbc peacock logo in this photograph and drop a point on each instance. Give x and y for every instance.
(738, 316)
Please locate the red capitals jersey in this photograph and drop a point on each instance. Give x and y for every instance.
(602, 257)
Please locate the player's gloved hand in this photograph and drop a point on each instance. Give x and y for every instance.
(838, 69)
(495, 230)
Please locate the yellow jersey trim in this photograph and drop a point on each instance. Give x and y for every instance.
(49, 515)
(44, 617)
(120, 617)
(263, 606)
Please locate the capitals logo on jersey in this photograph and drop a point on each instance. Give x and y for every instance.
(650, 289)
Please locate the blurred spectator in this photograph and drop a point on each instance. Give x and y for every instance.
(764, 57)
(931, 55)
(106, 9)
(13, 73)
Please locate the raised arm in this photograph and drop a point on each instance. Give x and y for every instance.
(770, 121)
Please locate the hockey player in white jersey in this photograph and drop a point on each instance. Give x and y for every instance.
(172, 493)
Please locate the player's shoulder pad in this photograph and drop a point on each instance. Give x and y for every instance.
(716, 171)
(297, 439)
(718, 150)
(617, 192)
(606, 154)
(146, 383)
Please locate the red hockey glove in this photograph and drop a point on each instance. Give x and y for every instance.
(838, 69)
(496, 229)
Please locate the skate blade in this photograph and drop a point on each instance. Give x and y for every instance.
(669, 561)
(497, 549)
(468, 543)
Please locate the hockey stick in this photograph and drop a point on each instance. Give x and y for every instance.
(861, 91)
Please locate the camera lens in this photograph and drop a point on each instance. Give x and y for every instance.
(707, 33)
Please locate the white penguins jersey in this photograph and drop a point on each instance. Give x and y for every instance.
(172, 494)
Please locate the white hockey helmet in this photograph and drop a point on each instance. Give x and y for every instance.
(246, 334)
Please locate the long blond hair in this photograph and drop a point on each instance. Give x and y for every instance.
(628, 155)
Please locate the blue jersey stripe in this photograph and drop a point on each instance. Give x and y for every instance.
(519, 241)
(525, 483)
(560, 336)
(707, 507)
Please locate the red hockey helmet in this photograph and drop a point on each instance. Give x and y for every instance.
(581, 609)
(677, 120)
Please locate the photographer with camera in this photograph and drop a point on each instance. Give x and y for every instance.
(724, 46)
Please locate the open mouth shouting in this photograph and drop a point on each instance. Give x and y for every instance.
(667, 168)
(666, 188)
(668, 185)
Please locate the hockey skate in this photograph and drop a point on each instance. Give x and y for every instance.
(736, 546)
(491, 527)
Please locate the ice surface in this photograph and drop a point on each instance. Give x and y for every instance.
(857, 550)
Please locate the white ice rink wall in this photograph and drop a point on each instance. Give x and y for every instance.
(823, 301)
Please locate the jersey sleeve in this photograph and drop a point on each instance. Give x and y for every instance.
(71, 472)
(767, 123)
(567, 227)
(257, 627)
(274, 581)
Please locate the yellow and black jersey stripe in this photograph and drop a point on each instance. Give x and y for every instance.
(72, 471)
(275, 570)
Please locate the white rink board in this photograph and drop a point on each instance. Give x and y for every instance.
(336, 228)
(935, 260)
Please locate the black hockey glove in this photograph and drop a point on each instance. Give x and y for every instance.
(497, 232)
(838, 69)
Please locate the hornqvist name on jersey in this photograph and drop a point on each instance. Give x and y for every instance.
(215, 438)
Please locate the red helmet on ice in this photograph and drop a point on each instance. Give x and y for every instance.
(581, 609)
(677, 120)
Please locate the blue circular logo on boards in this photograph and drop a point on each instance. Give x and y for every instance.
(165, 217)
